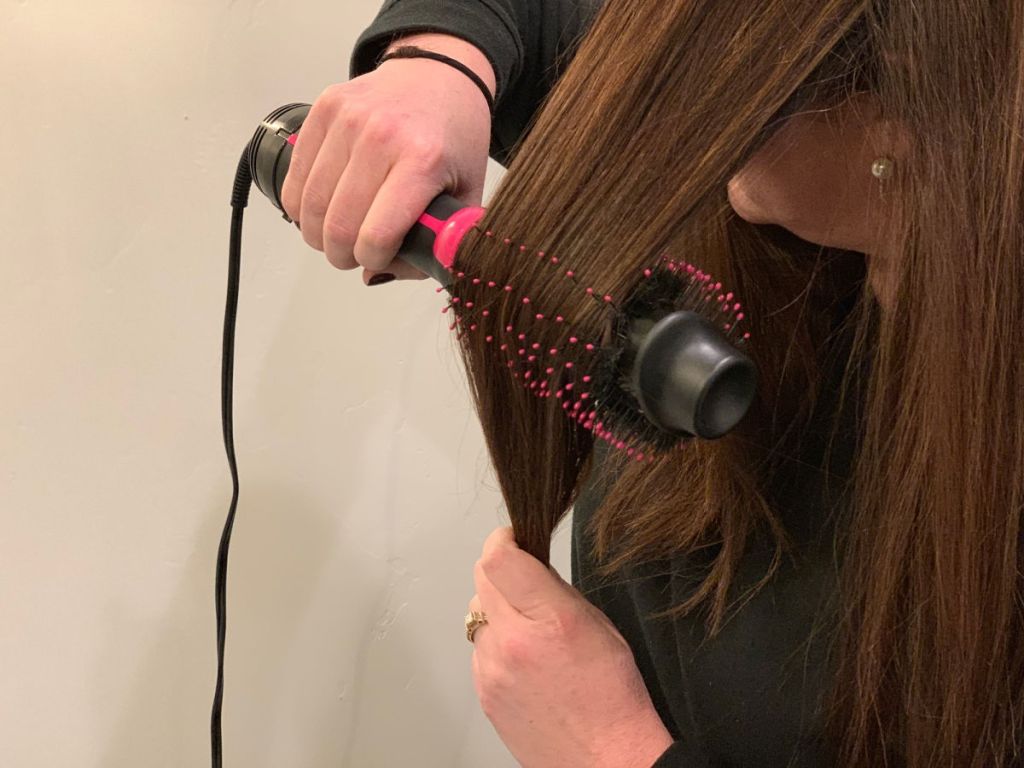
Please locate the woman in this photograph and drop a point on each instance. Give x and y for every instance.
(837, 582)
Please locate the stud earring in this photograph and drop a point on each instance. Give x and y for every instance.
(882, 168)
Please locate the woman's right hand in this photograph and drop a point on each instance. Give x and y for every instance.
(375, 151)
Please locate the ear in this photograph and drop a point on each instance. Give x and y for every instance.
(890, 137)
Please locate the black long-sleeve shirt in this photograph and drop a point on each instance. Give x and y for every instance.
(752, 695)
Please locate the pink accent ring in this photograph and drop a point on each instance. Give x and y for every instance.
(450, 234)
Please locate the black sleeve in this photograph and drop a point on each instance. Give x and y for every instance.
(682, 755)
(528, 43)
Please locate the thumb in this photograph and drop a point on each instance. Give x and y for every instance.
(527, 584)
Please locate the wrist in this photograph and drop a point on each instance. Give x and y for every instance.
(638, 745)
(455, 47)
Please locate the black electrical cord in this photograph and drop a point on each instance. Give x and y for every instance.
(239, 200)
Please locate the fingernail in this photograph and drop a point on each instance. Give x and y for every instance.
(380, 278)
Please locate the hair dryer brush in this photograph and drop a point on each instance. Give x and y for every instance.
(674, 369)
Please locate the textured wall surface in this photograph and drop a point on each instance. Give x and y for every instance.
(366, 494)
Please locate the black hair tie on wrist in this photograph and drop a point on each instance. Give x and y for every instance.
(412, 52)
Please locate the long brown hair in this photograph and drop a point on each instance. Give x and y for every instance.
(663, 101)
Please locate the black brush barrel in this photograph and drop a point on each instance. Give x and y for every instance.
(689, 379)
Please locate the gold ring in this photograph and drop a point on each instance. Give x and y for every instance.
(474, 620)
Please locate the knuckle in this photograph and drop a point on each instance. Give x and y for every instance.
(314, 201)
(428, 154)
(491, 560)
(350, 116)
(339, 234)
(330, 97)
(376, 239)
(381, 128)
(565, 623)
(514, 650)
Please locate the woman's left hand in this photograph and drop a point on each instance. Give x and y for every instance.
(555, 678)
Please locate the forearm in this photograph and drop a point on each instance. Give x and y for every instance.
(517, 45)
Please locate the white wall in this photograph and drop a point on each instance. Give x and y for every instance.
(365, 490)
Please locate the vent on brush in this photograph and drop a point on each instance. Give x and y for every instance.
(670, 369)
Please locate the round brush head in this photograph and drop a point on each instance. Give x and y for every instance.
(670, 365)
(675, 368)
